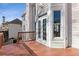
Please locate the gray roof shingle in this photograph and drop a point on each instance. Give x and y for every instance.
(15, 21)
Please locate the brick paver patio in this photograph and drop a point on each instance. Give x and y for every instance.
(14, 50)
(33, 48)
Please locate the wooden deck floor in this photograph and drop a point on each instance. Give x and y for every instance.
(42, 50)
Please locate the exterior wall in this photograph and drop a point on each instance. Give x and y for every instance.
(69, 25)
(65, 36)
(75, 25)
(29, 22)
(13, 30)
(31, 17)
(65, 28)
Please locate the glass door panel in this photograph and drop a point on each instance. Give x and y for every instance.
(44, 29)
(39, 29)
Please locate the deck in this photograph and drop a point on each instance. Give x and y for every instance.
(38, 49)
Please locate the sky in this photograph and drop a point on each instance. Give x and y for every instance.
(11, 11)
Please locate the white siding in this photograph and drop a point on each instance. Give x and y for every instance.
(13, 30)
(75, 25)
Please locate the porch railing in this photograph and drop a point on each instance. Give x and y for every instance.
(26, 36)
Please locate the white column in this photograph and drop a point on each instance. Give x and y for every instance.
(68, 24)
(27, 17)
(49, 25)
(36, 19)
(65, 24)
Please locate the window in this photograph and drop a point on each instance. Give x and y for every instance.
(24, 27)
(39, 29)
(23, 17)
(57, 16)
(44, 29)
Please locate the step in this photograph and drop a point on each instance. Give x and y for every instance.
(30, 50)
(57, 44)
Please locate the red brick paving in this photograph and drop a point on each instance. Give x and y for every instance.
(42, 50)
(14, 50)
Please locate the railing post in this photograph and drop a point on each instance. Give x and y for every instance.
(18, 38)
